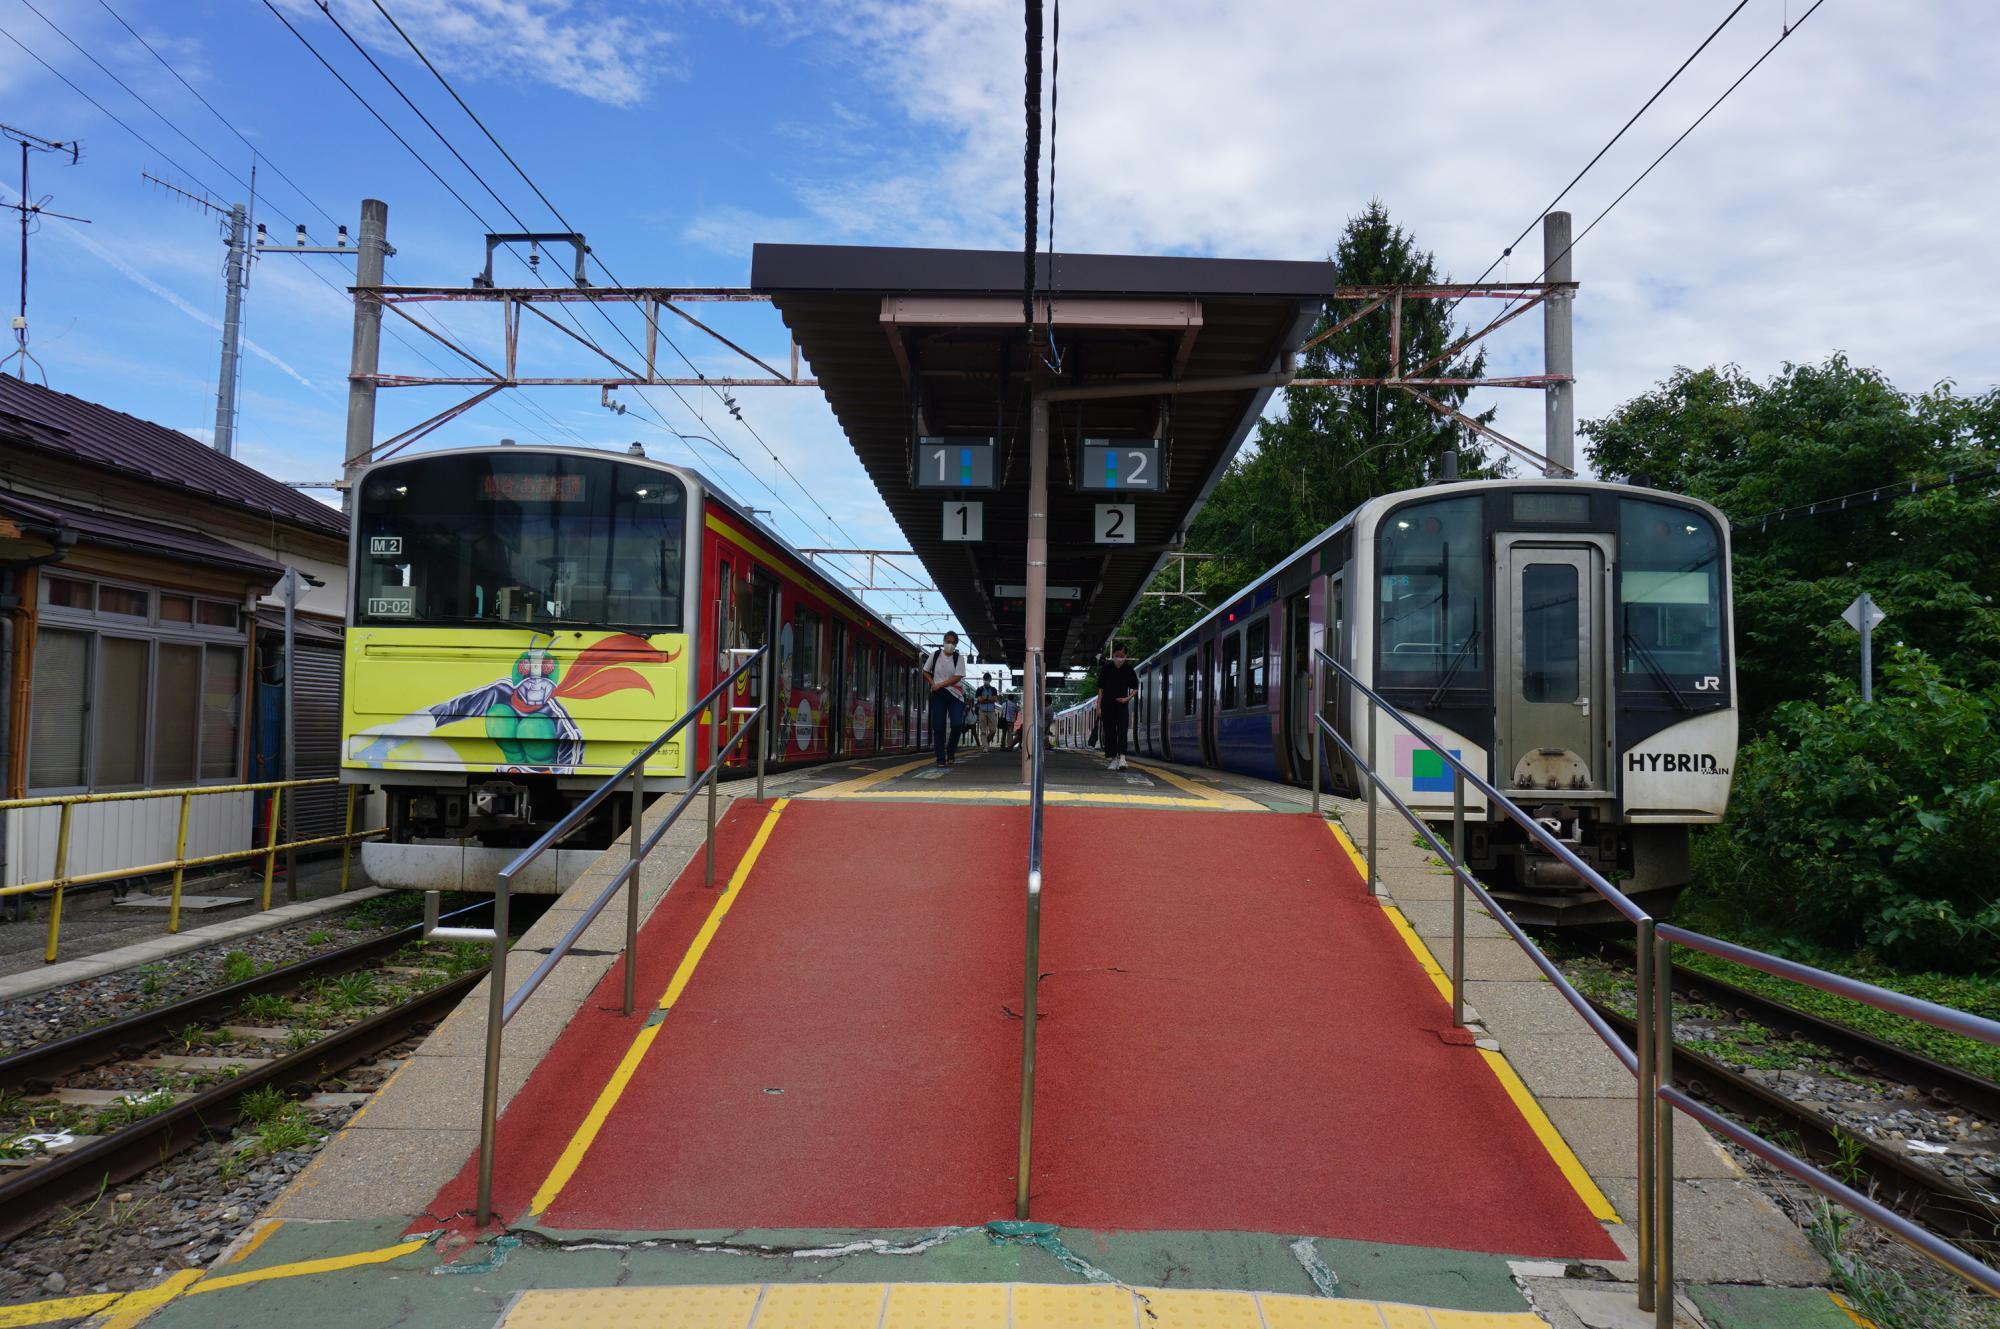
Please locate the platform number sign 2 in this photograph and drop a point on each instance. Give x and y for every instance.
(965, 521)
(1116, 523)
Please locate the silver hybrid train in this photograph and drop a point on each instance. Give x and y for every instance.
(1570, 639)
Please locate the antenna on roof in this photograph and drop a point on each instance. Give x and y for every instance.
(30, 209)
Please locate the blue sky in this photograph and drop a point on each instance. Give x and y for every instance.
(1840, 200)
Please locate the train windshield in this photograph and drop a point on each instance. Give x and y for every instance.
(1669, 592)
(520, 538)
(1433, 580)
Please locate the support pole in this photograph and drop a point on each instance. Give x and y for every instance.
(1312, 706)
(291, 767)
(1559, 400)
(632, 887)
(236, 271)
(180, 865)
(714, 776)
(1038, 565)
(1642, 992)
(764, 718)
(1457, 899)
(1663, 1133)
(1373, 798)
(1867, 647)
(496, 1023)
(370, 258)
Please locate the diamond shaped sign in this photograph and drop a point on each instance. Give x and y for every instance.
(1864, 615)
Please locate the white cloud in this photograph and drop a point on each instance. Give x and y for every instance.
(600, 51)
(1836, 200)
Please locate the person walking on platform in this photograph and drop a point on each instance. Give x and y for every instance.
(986, 707)
(1010, 723)
(945, 672)
(1117, 683)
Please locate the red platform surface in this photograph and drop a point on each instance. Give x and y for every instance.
(1233, 1037)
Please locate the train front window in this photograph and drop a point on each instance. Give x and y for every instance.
(1669, 592)
(1432, 577)
(521, 539)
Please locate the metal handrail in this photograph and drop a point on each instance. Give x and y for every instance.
(501, 1005)
(1030, 979)
(1651, 1061)
(1616, 898)
(58, 885)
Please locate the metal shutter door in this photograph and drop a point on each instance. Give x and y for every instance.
(316, 693)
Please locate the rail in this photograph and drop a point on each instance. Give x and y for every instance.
(1651, 1060)
(502, 1006)
(1036, 738)
(58, 885)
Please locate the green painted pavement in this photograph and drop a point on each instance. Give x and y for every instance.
(410, 1291)
(1740, 1306)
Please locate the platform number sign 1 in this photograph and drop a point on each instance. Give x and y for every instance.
(1116, 523)
(1119, 466)
(964, 521)
(953, 463)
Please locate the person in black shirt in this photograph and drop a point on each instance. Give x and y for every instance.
(1117, 684)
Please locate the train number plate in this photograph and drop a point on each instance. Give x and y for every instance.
(392, 606)
(385, 546)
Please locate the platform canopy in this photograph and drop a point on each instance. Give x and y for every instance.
(930, 343)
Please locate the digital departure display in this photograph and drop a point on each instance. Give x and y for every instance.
(519, 487)
(1552, 507)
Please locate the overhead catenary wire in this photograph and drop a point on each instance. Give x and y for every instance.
(734, 411)
(1612, 142)
(612, 277)
(1978, 474)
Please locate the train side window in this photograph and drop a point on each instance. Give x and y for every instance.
(725, 617)
(1189, 684)
(1232, 666)
(1431, 579)
(1257, 650)
(805, 648)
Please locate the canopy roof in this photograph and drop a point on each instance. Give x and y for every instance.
(909, 342)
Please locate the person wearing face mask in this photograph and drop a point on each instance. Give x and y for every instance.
(1117, 684)
(945, 672)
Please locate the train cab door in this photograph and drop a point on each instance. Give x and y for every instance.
(1551, 683)
(1298, 659)
(758, 626)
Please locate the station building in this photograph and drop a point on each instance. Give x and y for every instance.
(141, 634)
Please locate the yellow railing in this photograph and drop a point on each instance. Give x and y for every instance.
(180, 862)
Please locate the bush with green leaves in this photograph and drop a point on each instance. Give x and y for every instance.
(1872, 825)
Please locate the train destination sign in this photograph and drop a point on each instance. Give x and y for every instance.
(1119, 465)
(954, 463)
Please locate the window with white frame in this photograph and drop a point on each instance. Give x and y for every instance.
(134, 687)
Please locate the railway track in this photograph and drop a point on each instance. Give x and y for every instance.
(30, 1193)
(1899, 1179)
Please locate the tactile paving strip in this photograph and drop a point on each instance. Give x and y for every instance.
(971, 1306)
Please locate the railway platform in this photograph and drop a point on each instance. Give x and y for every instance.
(1252, 1106)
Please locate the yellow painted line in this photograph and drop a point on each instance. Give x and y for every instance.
(1863, 1321)
(849, 788)
(62, 1308)
(586, 1133)
(1418, 949)
(134, 1307)
(1523, 1099)
(976, 1306)
(262, 1234)
(1545, 1130)
(330, 1264)
(1347, 845)
(1219, 797)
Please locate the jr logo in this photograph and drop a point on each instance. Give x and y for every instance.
(1709, 683)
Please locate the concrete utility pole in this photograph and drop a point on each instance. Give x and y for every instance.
(1559, 402)
(237, 273)
(371, 257)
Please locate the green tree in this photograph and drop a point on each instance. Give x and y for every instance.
(1328, 449)
(1815, 432)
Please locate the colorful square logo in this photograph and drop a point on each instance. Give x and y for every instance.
(1422, 766)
